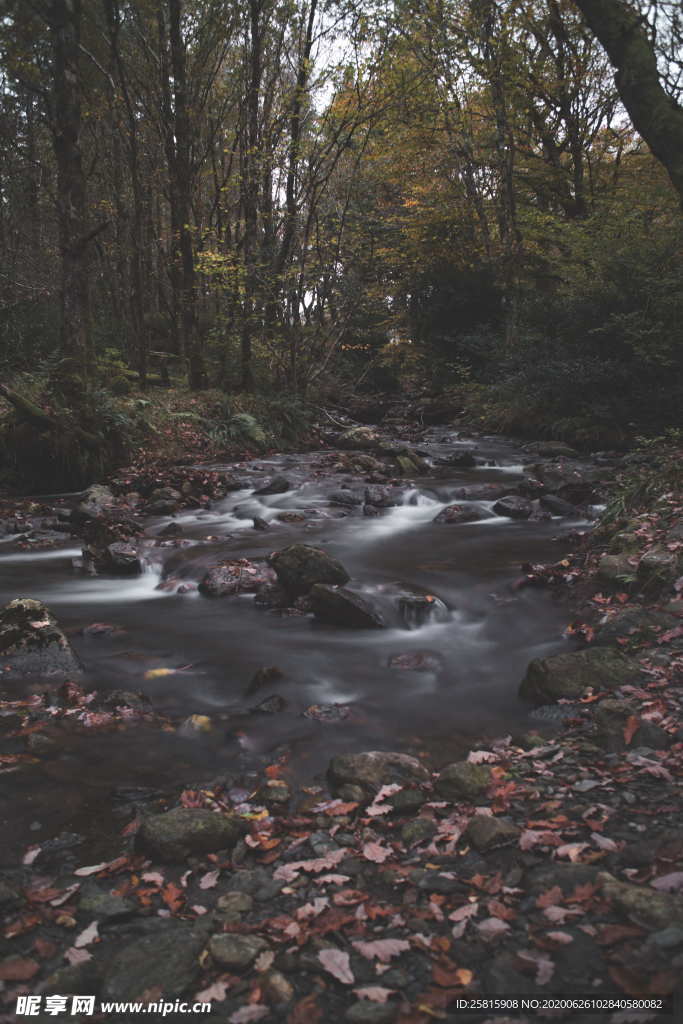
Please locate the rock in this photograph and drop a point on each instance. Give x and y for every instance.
(636, 621)
(416, 661)
(367, 1012)
(342, 607)
(32, 644)
(94, 504)
(624, 542)
(460, 514)
(407, 801)
(464, 781)
(359, 437)
(373, 769)
(122, 558)
(278, 991)
(463, 458)
(566, 876)
(513, 507)
(481, 492)
(383, 497)
(276, 485)
(418, 609)
(300, 566)
(265, 676)
(576, 483)
(569, 675)
(100, 905)
(233, 904)
(658, 570)
(270, 706)
(235, 577)
(487, 833)
(260, 523)
(615, 569)
(41, 745)
(271, 595)
(166, 960)
(291, 517)
(551, 449)
(418, 831)
(127, 699)
(558, 506)
(10, 896)
(187, 831)
(165, 494)
(274, 793)
(237, 952)
(347, 499)
(171, 530)
(611, 718)
(410, 464)
(644, 906)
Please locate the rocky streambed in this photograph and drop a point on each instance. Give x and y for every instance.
(308, 736)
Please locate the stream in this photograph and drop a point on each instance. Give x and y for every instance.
(472, 653)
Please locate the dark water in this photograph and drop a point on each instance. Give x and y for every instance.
(477, 654)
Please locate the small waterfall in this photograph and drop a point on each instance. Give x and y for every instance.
(419, 610)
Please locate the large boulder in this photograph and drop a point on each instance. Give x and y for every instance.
(188, 831)
(300, 566)
(120, 558)
(383, 497)
(32, 644)
(375, 768)
(658, 570)
(577, 483)
(558, 506)
(343, 607)
(569, 675)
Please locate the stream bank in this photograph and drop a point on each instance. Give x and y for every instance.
(476, 858)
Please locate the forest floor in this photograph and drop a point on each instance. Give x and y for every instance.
(547, 868)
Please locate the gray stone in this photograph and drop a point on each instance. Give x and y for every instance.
(235, 903)
(643, 905)
(342, 607)
(611, 718)
(167, 960)
(101, 905)
(359, 437)
(366, 1012)
(455, 514)
(185, 831)
(277, 485)
(236, 951)
(558, 506)
(569, 675)
(375, 768)
(300, 566)
(513, 507)
(658, 569)
(464, 781)
(487, 833)
(418, 831)
(32, 644)
(614, 569)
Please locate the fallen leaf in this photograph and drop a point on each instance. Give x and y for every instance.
(631, 728)
(87, 936)
(381, 949)
(492, 928)
(669, 883)
(249, 1013)
(214, 993)
(375, 993)
(209, 880)
(376, 852)
(336, 962)
(17, 968)
(92, 870)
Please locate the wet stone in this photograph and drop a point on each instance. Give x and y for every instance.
(343, 607)
(277, 485)
(488, 833)
(236, 952)
(300, 566)
(464, 781)
(375, 768)
(101, 905)
(418, 831)
(167, 960)
(185, 831)
(569, 675)
(366, 1012)
(235, 903)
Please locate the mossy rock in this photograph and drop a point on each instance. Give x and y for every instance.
(549, 680)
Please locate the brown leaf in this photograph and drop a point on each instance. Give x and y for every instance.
(631, 728)
(550, 897)
(306, 1011)
(17, 968)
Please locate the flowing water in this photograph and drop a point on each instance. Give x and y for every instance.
(468, 657)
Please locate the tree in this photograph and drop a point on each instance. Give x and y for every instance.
(655, 114)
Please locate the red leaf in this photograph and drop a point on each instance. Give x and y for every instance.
(631, 728)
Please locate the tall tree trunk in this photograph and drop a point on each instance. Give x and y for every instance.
(655, 115)
(183, 189)
(65, 27)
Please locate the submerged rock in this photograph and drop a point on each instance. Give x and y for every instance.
(32, 644)
(569, 675)
(277, 485)
(237, 577)
(188, 831)
(343, 607)
(300, 566)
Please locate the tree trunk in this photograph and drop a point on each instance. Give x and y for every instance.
(655, 115)
(65, 25)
